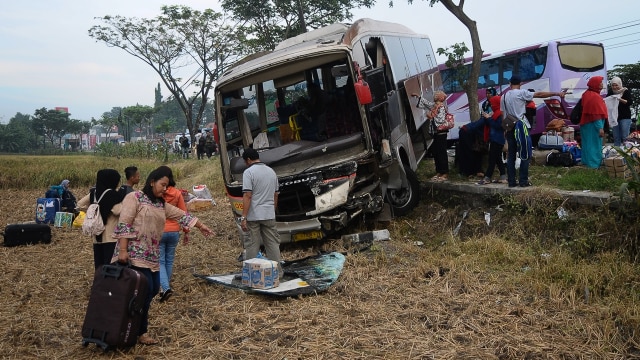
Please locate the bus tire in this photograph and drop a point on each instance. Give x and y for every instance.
(402, 201)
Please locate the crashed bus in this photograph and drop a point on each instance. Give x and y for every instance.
(330, 111)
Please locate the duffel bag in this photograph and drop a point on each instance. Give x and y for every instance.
(551, 141)
(557, 158)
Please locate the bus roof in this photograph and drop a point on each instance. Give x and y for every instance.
(489, 56)
(332, 38)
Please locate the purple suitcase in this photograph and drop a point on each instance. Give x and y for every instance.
(114, 313)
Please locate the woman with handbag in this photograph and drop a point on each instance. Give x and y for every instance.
(439, 122)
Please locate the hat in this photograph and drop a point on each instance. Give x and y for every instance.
(515, 80)
(251, 154)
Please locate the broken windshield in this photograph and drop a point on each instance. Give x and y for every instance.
(305, 119)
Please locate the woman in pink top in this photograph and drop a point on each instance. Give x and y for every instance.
(139, 230)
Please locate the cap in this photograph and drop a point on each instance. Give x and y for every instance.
(250, 153)
(515, 80)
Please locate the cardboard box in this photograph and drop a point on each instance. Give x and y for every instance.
(63, 219)
(614, 161)
(260, 273)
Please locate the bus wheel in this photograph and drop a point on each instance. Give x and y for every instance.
(403, 200)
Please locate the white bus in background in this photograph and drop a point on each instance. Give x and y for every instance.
(344, 147)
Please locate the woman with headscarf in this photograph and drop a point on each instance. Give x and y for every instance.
(437, 111)
(624, 102)
(107, 181)
(67, 199)
(594, 114)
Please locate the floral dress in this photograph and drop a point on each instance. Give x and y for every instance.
(142, 222)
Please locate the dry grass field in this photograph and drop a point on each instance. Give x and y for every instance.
(485, 292)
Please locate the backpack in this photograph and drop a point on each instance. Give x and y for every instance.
(93, 224)
(576, 113)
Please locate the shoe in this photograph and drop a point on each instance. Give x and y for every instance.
(165, 295)
(513, 185)
(527, 184)
(145, 339)
(502, 180)
(484, 181)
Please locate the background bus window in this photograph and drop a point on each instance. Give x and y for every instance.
(489, 74)
(508, 67)
(531, 63)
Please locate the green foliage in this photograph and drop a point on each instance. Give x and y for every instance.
(179, 36)
(455, 60)
(269, 22)
(160, 151)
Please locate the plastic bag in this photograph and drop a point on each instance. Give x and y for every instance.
(77, 222)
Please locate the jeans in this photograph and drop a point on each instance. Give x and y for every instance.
(621, 131)
(511, 162)
(168, 244)
(154, 286)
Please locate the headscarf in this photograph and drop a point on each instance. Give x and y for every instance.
(495, 106)
(65, 184)
(618, 81)
(107, 179)
(438, 97)
(593, 106)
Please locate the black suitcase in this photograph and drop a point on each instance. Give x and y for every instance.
(114, 313)
(24, 234)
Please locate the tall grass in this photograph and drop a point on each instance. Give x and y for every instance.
(39, 172)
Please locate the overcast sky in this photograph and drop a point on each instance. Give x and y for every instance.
(47, 58)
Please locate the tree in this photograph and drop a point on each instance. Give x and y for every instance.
(266, 23)
(471, 87)
(630, 75)
(139, 115)
(51, 124)
(174, 43)
(17, 136)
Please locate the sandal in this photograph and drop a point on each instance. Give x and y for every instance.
(498, 181)
(145, 339)
(436, 178)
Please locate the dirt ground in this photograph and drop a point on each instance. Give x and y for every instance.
(393, 301)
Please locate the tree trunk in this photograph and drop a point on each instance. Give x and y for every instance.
(472, 88)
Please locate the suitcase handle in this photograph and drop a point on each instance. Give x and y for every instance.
(113, 270)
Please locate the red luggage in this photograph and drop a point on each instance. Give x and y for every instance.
(114, 313)
(25, 234)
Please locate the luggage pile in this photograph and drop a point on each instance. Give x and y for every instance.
(557, 146)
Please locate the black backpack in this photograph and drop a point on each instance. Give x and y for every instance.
(576, 113)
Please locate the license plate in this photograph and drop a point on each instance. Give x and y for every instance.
(308, 235)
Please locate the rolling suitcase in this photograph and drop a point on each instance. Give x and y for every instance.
(46, 209)
(28, 233)
(114, 313)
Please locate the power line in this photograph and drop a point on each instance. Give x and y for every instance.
(600, 29)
